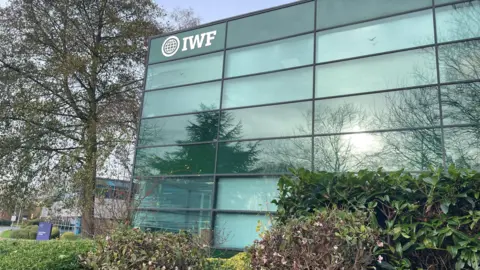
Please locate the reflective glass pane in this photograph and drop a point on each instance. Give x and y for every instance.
(462, 146)
(254, 194)
(292, 119)
(187, 99)
(191, 70)
(397, 70)
(286, 53)
(338, 12)
(175, 160)
(411, 150)
(269, 88)
(238, 231)
(200, 127)
(269, 156)
(399, 109)
(164, 193)
(271, 25)
(195, 222)
(460, 21)
(376, 36)
(459, 61)
(461, 104)
(198, 41)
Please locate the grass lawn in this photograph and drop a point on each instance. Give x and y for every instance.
(5, 234)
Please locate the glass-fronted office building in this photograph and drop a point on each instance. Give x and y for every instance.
(335, 85)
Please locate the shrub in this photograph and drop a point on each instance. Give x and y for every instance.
(241, 261)
(55, 233)
(325, 240)
(132, 249)
(33, 222)
(23, 234)
(69, 236)
(52, 255)
(429, 220)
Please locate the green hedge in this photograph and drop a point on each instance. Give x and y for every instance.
(52, 255)
(69, 236)
(427, 220)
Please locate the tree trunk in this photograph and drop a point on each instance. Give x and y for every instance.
(89, 181)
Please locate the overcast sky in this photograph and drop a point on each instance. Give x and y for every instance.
(213, 10)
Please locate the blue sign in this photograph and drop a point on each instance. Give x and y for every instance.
(44, 231)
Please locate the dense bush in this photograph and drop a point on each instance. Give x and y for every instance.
(133, 249)
(52, 255)
(325, 240)
(55, 233)
(69, 236)
(30, 232)
(241, 261)
(428, 220)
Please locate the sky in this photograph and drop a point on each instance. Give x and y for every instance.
(213, 10)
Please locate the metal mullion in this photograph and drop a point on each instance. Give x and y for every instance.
(460, 126)
(247, 176)
(314, 87)
(439, 92)
(374, 19)
(271, 40)
(182, 85)
(460, 82)
(179, 114)
(376, 54)
(265, 139)
(378, 131)
(175, 144)
(267, 104)
(377, 92)
(215, 178)
(140, 113)
(452, 3)
(465, 40)
(267, 72)
(244, 212)
(185, 57)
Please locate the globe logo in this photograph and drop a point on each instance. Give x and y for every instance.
(170, 46)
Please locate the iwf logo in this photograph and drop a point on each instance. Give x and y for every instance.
(172, 44)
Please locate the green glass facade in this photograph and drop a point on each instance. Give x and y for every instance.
(334, 85)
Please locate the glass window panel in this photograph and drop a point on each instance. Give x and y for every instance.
(238, 231)
(195, 222)
(399, 109)
(375, 37)
(271, 25)
(255, 194)
(217, 42)
(200, 127)
(459, 61)
(286, 53)
(411, 150)
(268, 156)
(186, 71)
(396, 70)
(186, 99)
(462, 146)
(175, 160)
(338, 12)
(164, 193)
(269, 88)
(460, 21)
(284, 120)
(461, 104)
